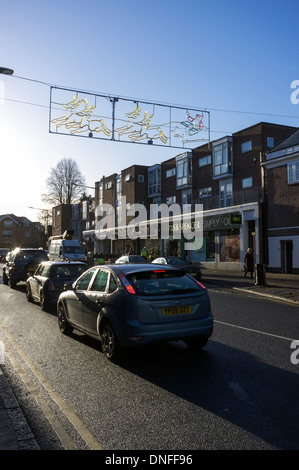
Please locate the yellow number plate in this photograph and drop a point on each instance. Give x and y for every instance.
(176, 310)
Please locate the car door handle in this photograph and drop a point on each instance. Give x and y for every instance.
(98, 302)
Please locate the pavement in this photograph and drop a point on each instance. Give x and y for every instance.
(276, 286)
(15, 433)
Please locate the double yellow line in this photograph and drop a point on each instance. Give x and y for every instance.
(79, 426)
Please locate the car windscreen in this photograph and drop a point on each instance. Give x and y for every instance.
(73, 249)
(68, 271)
(163, 282)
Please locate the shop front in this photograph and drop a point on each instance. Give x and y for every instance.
(226, 237)
(227, 233)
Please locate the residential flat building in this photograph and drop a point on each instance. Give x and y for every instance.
(223, 177)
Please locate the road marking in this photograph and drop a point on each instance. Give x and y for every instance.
(86, 435)
(66, 441)
(254, 331)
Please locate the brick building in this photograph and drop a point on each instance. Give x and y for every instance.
(68, 217)
(225, 176)
(20, 232)
(282, 205)
(121, 191)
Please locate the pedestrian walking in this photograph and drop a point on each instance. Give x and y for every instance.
(248, 263)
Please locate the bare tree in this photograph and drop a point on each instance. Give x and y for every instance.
(65, 184)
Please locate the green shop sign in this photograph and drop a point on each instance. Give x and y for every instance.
(218, 222)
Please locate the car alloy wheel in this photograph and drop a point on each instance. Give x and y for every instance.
(63, 324)
(110, 346)
(5, 278)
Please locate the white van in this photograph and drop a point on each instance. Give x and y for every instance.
(66, 250)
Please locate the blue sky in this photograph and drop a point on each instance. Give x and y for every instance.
(235, 59)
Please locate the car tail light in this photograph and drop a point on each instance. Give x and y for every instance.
(199, 283)
(127, 285)
(51, 286)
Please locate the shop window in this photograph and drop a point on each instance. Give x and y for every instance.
(206, 253)
(229, 241)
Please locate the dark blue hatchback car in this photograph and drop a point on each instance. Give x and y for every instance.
(124, 305)
(49, 279)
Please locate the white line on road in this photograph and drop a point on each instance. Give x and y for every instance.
(254, 331)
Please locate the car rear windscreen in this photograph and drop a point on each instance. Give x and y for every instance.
(160, 282)
(65, 271)
(36, 256)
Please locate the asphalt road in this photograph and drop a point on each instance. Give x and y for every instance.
(240, 392)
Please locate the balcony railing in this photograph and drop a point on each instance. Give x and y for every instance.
(244, 196)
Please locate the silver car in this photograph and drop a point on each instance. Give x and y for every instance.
(125, 305)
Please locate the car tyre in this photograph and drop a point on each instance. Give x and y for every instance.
(110, 344)
(63, 324)
(42, 301)
(28, 294)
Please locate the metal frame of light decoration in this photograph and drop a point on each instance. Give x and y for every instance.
(134, 125)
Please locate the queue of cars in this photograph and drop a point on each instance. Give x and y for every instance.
(121, 305)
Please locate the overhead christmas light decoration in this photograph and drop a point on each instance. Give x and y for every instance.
(126, 120)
